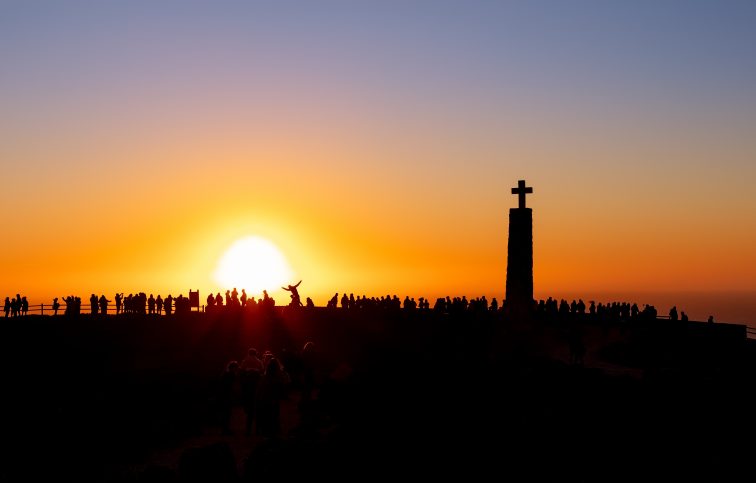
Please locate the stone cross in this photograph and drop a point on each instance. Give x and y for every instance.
(521, 191)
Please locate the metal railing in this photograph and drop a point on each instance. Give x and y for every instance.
(85, 309)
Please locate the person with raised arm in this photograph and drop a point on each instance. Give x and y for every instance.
(295, 300)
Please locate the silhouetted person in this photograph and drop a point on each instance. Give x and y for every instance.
(168, 304)
(69, 304)
(159, 304)
(151, 305)
(219, 300)
(7, 306)
(711, 319)
(118, 302)
(178, 304)
(581, 307)
(93, 302)
(226, 390)
(267, 300)
(243, 298)
(673, 313)
(683, 317)
(103, 305)
(295, 300)
(310, 303)
(55, 306)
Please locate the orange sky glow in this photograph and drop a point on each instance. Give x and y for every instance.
(134, 167)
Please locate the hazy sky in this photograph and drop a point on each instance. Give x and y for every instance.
(375, 143)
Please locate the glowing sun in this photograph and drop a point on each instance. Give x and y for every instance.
(253, 263)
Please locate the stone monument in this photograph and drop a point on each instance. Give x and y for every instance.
(519, 296)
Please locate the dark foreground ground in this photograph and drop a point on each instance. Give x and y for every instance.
(420, 395)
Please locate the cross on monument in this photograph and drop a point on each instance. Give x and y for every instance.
(521, 191)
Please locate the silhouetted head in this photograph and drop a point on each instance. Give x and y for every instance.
(232, 366)
(272, 368)
(252, 352)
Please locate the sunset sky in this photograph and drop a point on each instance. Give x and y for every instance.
(375, 144)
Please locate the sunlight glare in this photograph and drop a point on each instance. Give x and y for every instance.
(255, 264)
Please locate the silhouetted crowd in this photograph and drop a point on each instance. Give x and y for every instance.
(258, 385)
(234, 300)
(614, 311)
(16, 306)
(140, 303)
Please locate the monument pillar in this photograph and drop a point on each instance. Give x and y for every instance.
(519, 296)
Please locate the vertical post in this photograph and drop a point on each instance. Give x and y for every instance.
(42, 309)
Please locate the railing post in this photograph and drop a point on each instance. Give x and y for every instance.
(41, 309)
